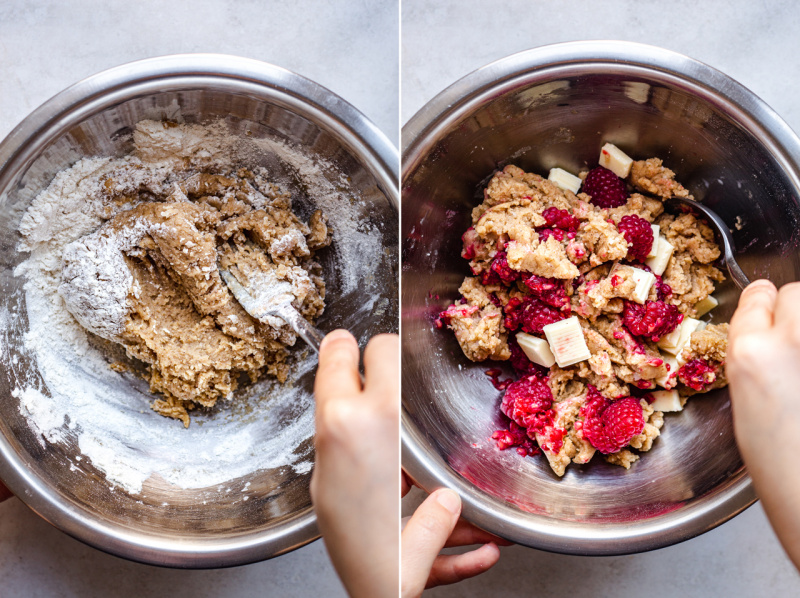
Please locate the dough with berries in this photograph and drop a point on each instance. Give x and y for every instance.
(540, 254)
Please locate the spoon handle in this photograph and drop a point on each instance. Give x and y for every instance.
(724, 234)
(309, 333)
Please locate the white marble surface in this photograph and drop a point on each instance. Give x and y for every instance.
(754, 42)
(349, 47)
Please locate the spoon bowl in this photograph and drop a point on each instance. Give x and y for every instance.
(722, 233)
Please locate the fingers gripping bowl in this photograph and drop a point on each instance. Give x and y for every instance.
(555, 107)
(234, 487)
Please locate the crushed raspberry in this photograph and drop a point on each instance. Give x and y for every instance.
(456, 310)
(560, 219)
(554, 439)
(549, 290)
(471, 242)
(697, 374)
(515, 436)
(489, 277)
(612, 427)
(662, 288)
(605, 188)
(502, 269)
(639, 234)
(494, 374)
(540, 284)
(531, 314)
(528, 402)
(595, 404)
(545, 233)
(653, 320)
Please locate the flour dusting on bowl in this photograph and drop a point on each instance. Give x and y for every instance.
(75, 394)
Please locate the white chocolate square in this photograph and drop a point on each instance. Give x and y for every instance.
(564, 180)
(644, 282)
(666, 400)
(656, 237)
(536, 349)
(663, 252)
(615, 160)
(567, 342)
(705, 305)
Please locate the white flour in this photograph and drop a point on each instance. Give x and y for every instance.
(79, 398)
(96, 280)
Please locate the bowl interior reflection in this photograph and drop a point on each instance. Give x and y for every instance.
(538, 120)
(174, 518)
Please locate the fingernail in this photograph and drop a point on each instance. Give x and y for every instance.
(449, 500)
(335, 335)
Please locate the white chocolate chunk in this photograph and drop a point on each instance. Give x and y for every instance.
(674, 344)
(670, 341)
(679, 355)
(615, 160)
(668, 380)
(536, 349)
(567, 342)
(705, 305)
(666, 400)
(565, 180)
(644, 282)
(656, 236)
(663, 252)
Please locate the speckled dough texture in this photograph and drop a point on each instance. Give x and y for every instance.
(521, 261)
(144, 272)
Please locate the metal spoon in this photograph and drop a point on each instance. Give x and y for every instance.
(274, 299)
(723, 233)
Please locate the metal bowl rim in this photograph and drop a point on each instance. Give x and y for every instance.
(94, 94)
(542, 64)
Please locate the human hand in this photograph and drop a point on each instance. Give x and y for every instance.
(354, 486)
(435, 525)
(763, 369)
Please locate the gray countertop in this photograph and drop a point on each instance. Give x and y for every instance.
(349, 47)
(755, 43)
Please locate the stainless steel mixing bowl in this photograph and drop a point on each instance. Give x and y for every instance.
(166, 524)
(555, 106)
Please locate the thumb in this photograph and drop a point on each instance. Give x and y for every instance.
(337, 372)
(425, 535)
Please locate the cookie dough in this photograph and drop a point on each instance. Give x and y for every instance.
(540, 254)
(148, 279)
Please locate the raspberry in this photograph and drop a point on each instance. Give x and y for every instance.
(456, 310)
(545, 233)
(639, 234)
(531, 313)
(549, 290)
(489, 277)
(560, 219)
(697, 374)
(502, 269)
(595, 404)
(663, 289)
(605, 188)
(615, 425)
(516, 436)
(494, 374)
(528, 402)
(653, 320)
(471, 243)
